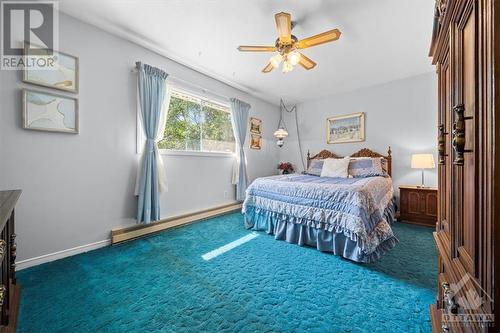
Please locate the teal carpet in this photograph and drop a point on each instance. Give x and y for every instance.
(162, 284)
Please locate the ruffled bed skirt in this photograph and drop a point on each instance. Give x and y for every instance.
(323, 240)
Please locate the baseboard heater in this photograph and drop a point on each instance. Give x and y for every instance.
(141, 230)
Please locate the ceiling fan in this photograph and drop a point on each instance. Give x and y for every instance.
(287, 46)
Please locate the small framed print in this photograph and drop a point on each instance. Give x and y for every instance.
(255, 125)
(62, 75)
(346, 128)
(256, 141)
(49, 112)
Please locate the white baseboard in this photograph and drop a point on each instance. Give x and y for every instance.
(22, 264)
(139, 230)
(129, 233)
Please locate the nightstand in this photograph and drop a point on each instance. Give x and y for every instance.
(418, 205)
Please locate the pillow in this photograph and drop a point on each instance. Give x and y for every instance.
(315, 167)
(385, 164)
(335, 167)
(368, 167)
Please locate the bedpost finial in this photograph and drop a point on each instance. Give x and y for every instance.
(389, 152)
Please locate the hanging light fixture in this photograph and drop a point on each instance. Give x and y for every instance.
(281, 133)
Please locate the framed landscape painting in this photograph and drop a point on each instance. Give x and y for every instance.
(346, 128)
(255, 125)
(63, 74)
(49, 112)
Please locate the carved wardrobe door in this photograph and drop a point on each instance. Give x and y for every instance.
(464, 235)
(464, 172)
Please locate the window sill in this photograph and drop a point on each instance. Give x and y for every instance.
(195, 153)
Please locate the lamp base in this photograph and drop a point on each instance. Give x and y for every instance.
(422, 185)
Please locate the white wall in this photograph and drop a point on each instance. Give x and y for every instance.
(401, 114)
(76, 188)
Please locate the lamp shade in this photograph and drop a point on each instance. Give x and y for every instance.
(281, 133)
(422, 161)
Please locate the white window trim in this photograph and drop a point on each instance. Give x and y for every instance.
(225, 107)
(141, 138)
(222, 154)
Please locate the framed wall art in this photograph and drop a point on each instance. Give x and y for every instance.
(255, 125)
(346, 128)
(255, 141)
(49, 112)
(63, 74)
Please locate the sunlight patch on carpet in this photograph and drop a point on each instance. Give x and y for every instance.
(228, 247)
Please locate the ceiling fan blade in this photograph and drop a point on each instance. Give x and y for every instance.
(306, 62)
(251, 48)
(325, 37)
(268, 68)
(284, 27)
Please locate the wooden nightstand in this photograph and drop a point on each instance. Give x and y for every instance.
(418, 205)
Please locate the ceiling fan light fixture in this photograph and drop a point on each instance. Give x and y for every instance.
(287, 66)
(293, 57)
(287, 46)
(276, 60)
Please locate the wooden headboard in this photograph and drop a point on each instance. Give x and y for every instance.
(365, 152)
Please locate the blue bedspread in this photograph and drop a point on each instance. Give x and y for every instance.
(354, 207)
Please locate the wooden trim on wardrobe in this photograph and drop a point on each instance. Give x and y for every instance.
(492, 249)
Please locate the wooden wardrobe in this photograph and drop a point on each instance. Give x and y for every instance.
(466, 49)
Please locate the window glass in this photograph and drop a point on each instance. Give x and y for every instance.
(195, 124)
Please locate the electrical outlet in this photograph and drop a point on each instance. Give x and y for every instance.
(226, 194)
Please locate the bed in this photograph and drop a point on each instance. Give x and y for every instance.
(350, 217)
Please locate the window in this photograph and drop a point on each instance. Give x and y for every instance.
(197, 124)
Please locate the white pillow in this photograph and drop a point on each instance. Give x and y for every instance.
(335, 167)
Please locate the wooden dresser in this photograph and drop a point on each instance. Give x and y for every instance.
(466, 52)
(9, 288)
(418, 205)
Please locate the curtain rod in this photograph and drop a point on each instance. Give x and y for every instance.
(174, 78)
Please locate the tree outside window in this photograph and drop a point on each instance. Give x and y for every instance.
(194, 124)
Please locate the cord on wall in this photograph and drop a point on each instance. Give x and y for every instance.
(292, 109)
(298, 140)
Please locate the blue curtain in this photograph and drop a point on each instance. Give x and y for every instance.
(151, 88)
(239, 119)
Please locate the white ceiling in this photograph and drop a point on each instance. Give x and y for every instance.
(382, 40)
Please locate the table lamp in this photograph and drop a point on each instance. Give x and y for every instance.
(422, 161)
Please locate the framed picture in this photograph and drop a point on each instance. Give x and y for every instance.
(347, 128)
(49, 112)
(255, 125)
(63, 76)
(256, 141)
